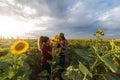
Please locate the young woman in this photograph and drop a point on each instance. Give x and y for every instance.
(46, 52)
(63, 44)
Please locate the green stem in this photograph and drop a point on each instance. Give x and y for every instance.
(14, 61)
(94, 64)
(99, 56)
(110, 53)
(51, 75)
(73, 77)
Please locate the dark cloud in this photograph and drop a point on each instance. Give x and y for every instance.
(75, 18)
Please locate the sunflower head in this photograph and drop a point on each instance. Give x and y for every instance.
(56, 38)
(19, 47)
(54, 41)
(99, 33)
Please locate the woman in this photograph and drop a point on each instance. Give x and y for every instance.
(63, 44)
(46, 52)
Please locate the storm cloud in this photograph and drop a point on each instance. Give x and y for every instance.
(75, 18)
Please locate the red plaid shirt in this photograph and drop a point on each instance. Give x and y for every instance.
(46, 50)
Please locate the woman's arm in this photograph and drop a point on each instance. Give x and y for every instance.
(62, 44)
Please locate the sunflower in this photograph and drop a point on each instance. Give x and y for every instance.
(19, 47)
(56, 38)
(54, 41)
(99, 33)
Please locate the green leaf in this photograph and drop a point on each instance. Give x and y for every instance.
(11, 74)
(109, 63)
(82, 53)
(65, 75)
(84, 70)
(79, 77)
(44, 73)
(4, 65)
(109, 76)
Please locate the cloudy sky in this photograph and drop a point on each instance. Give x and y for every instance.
(75, 18)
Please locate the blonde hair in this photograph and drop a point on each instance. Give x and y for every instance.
(39, 43)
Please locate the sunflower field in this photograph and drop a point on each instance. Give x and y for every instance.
(86, 59)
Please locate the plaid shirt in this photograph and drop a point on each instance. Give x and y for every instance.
(63, 47)
(45, 54)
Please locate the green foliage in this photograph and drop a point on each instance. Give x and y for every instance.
(14, 67)
(92, 59)
(84, 70)
(82, 53)
(98, 59)
(72, 74)
(110, 76)
(4, 51)
(109, 63)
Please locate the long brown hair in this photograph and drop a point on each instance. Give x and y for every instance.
(62, 36)
(41, 40)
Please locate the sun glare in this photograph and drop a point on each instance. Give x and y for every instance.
(11, 27)
(8, 27)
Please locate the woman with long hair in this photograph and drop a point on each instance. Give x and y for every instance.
(63, 44)
(46, 52)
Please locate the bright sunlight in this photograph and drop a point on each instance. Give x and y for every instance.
(11, 27)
